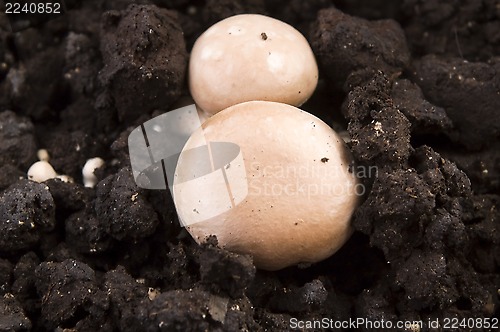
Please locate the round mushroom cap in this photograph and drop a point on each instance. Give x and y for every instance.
(41, 171)
(269, 180)
(251, 57)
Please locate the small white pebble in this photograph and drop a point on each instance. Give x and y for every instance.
(43, 155)
(41, 171)
(89, 179)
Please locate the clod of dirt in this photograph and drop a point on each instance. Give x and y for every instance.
(125, 295)
(9, 175)
(85, 233)
(119, 148)
(82, 64)
(380, 133)
(6, 58)
(468, 91)
(426, 281)
(482, 167)
(393, 221)
(344, 44)
(446, 230)
(5, 275)
(23, 286)
(178, 310)
(217, 10)
(483, 226)
(469, 29)
(424, 117)
(12, 317)
(224, 271)
(26, 211)
(81, 115)
(239, 315)
(376, 304)
(306, 298)
(18, 146)
(123, 209)
(443, 176)
(68, 197)
(40, 76)
(71, 295)
(144, 57)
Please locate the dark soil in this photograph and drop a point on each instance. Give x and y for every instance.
(415, 83)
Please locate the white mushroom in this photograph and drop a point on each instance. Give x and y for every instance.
(41, 171)
(251, 57)
(287, 200)
(89, 178)
(43, 155)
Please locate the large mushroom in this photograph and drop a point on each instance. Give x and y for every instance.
(269, 180)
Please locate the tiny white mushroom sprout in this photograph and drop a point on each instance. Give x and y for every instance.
(43, 155)
(251, 57)
(89, 178)
(286, 199)
(42, 170)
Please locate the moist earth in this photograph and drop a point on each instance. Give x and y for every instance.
(415, 86)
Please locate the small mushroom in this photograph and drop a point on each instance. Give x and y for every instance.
(293, 207)
(41, 171)
(43, 155)
(251, 57)
(89, 178)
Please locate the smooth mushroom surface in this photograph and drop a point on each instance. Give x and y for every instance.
(269, 180)
(251, 57)
(41, 171)
(89, 178)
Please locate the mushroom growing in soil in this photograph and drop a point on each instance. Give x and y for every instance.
(251, 57)
(287, 200)
(42, 170)
(89, 178)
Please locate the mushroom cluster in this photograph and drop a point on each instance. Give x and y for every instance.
(265, 177)
(42, 170)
